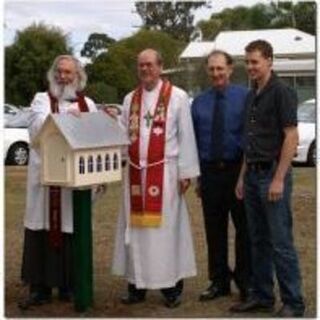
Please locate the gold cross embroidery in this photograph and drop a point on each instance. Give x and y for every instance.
(148, 117)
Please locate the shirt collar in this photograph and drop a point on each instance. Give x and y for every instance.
(271, 82)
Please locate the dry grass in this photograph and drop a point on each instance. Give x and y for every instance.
(108, 288)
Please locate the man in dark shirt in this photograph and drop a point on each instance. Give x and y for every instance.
(218, 118)
(265, 183)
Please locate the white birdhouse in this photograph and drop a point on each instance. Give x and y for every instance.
(80, 151)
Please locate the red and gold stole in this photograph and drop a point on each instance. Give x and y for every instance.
(149, 214)
(55, 234)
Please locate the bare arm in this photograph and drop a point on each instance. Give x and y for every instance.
(288, 150)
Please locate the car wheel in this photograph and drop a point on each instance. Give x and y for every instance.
(312, 155)
(18, 154)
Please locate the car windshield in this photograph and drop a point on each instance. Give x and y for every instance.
(307, 112)
(9, 109)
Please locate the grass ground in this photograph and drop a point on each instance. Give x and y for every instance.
(108, 289)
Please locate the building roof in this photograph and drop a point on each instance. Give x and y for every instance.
(305, 65)
(197, 49)
(90, 130)
(285, 42)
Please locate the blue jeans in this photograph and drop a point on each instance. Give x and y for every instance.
(272, 248)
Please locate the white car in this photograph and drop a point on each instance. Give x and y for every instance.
(16, 146)
(16, 117)
(306, 151)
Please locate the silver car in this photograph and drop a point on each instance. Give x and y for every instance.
(306, 151)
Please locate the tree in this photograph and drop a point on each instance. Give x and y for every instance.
(301, 15)
(28, 59)
(261, 16)
(117, 66)
(238, 18)
(101, 92)
(95, 43)
(174, 18)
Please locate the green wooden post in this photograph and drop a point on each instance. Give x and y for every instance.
(83, 266)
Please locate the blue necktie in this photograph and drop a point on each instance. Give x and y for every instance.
(218, 128)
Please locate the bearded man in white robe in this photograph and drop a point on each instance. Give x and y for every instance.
(154, 248)
(47, 253)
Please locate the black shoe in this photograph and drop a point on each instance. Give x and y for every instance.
(289, 312)
(172, 301)
(214, 292)
(34, 299)
(252, 305)
(132, 299)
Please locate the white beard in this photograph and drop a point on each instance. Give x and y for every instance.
(63, 92)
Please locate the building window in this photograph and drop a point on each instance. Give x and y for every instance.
(81, 165)
(115, 162)
(90, 164)
(99, 163)
(107, 162)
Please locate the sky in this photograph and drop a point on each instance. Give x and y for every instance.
(78, 18)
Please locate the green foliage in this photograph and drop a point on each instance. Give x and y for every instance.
(95, 43)
(261, 16)
(100, 92)
(117, 67)
(301, 15)
(175, 18)
(28, 59)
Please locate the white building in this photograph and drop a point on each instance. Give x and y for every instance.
(294, 54)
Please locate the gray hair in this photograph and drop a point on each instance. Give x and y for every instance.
(82, 76)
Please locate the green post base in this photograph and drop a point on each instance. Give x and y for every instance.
(83, 266)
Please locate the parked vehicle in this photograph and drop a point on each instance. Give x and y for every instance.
(15, 117)
(10, 112)
(16, 146)
(306, 151)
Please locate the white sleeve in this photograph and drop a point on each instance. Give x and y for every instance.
(40, 108)
(188, 162)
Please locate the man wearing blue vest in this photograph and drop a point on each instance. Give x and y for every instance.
(218, 118)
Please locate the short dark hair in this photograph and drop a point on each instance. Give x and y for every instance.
(215, 52)
(261, 45)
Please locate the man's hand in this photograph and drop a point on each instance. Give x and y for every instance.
(239, 189)
(275, 190)
(112, 112)
(74, 112)
(184, 185)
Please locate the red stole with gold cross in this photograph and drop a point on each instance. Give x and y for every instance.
(55, 234)
(148, 213)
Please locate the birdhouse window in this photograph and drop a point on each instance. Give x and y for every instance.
(90, 164)
(115, 162)
(99, 163)
(81, 165)
(107, 162)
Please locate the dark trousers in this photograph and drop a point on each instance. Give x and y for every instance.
(167, 292)
(270, 226)
(44, 267)
(218, 199)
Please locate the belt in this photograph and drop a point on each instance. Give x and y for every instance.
(221, 165)
(260, 165)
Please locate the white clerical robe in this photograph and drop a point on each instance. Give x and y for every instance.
(37, 207)
(157, 257)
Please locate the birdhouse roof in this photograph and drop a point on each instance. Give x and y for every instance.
(90, 130)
